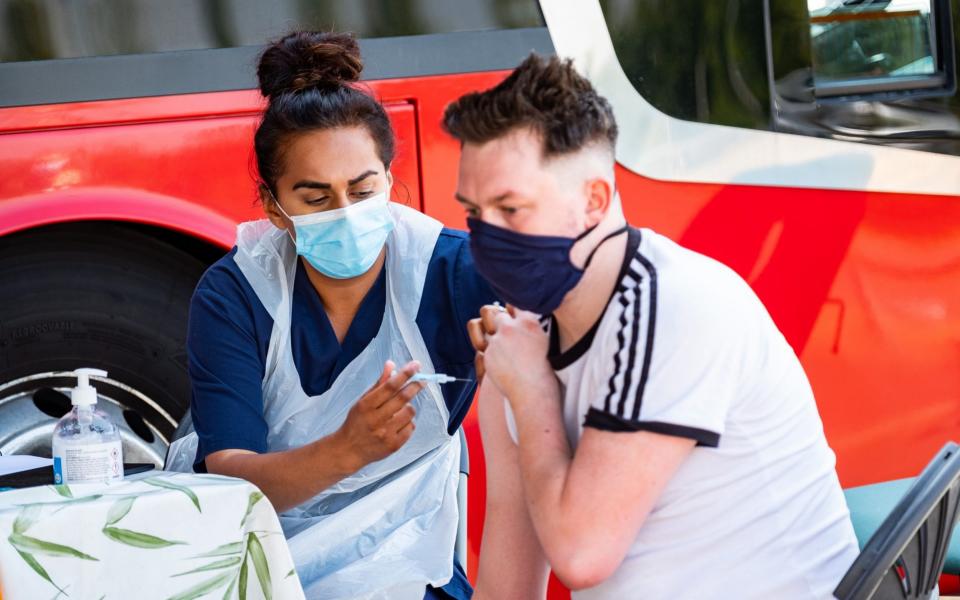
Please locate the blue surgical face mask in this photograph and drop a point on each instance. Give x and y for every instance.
(345, 242)
(531, 272)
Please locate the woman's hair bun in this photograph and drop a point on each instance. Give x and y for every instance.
(307, 59)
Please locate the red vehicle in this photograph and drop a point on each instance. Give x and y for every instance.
(812, 145)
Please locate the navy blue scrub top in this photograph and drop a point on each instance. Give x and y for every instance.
(229, 332)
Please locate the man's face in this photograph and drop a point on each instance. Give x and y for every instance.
(506, 182)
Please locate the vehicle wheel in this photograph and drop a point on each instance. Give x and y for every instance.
(98, 295)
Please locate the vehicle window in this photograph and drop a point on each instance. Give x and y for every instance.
(864, 47)
(695, 60)
(872, 71)
(48, 29)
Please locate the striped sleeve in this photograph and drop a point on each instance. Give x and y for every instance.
(663, 371)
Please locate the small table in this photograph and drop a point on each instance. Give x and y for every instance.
(169, 536)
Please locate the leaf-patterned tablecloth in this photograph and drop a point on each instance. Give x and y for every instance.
(169, 536)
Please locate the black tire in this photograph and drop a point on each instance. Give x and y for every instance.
(102, 295)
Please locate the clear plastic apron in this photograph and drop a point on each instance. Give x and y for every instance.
(389, 529)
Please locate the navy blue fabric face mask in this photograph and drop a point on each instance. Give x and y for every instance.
(531, 272)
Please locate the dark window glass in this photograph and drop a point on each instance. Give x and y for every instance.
(45, 29)
(696, 60)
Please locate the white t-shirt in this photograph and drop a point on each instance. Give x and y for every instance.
(686, 348)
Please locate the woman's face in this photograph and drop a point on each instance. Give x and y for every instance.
(326, 170)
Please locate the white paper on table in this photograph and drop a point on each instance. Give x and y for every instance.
(16, 463)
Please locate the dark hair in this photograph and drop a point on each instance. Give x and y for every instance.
(545, 95)
(306, 76)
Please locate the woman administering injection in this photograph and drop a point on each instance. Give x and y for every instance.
(296, 336)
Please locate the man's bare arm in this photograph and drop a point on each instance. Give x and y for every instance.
(512, 564)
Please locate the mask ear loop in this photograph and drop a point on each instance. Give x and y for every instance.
(277, 204)
(607, 237)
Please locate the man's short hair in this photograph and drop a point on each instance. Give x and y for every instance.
(546, 95)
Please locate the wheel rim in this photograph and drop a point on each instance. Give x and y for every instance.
(28, 406)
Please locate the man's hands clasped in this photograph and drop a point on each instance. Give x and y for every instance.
(511, 349)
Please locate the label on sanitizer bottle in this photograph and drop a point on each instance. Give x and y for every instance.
(87, 463)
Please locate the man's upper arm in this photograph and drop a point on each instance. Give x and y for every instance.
(619, 476)
(512, 564)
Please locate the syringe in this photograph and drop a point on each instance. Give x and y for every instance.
(438, 378)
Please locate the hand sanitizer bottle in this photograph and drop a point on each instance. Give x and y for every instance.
(86, 444)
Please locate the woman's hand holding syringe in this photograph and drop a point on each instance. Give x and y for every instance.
(383, 419)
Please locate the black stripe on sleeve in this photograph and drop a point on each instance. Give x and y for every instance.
(621, 342)
(651, 326)
(634, 370)
(632, 356)
(608, 422)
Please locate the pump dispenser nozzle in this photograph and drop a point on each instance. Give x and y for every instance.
(85, 394)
